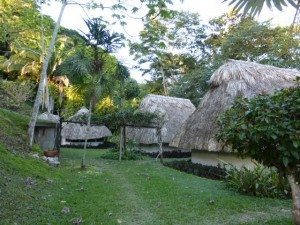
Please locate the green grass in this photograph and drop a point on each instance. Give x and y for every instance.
(127, 192)
(130, 192)
(13, 128)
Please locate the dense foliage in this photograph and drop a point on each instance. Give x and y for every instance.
(258, 181)
(132, 153)
(233, 36)
(266, 128)
(127, 116)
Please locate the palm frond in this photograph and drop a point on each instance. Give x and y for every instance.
(77, 66)
(254, 7)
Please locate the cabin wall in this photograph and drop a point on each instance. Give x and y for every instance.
(220, 159)
(45, 137)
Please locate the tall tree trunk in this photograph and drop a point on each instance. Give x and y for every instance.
(87, 134)
(296, 15)
(164, 81)
(296, 198)
(43, 76)
(122, 148)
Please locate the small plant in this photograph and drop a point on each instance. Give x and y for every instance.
(259, 181)
(132, 153)
(37, 149)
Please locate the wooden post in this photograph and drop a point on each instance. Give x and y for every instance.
(159, 140)
(121, 143)
(124, 140)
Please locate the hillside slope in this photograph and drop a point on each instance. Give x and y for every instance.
(13, 127)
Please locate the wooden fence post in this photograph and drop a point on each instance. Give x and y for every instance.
(121, 143)
(159, 140)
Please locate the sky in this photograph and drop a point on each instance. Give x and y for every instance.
(74, 16)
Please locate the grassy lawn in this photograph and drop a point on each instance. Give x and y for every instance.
(127, 192)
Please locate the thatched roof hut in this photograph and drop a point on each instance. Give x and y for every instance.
(46, 131)
(235, 78)
(48, 117)
(76, 129)
(173, 112)
(80, 116)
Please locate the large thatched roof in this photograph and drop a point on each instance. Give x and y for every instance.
(80, 116)
(78, 131)
(235, 78)
(48, 117)
(173, 111)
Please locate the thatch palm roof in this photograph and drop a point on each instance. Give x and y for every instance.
(78, 131)
(235, 78)
(48, 117)
(173, 112)
(80, 116)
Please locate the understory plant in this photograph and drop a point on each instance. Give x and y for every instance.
(132, 153)
(258, 181)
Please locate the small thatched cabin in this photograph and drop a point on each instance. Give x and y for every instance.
(47, 131)
(74, 131)
(173, 112)
(233, 79)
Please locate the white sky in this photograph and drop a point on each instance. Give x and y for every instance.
(74, 15)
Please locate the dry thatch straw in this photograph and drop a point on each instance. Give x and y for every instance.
(80, 116)
(77, 130)
(48, 117)
(173, 112)
(234, 79)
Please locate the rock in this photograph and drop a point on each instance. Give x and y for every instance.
(65, 210)
(29, 182)
(77, 221)
(35, 155)
(212, 202)
(53, 161)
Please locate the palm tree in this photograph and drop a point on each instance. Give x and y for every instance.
(255, 7)
(81, 67)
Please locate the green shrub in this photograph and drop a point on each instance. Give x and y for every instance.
(15, 95)
(260, 181)
(37, 149)
(267, 129)
(132, 153)
(126, 116)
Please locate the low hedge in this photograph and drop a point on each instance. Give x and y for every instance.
(211, 172)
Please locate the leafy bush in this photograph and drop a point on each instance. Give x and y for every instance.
(200, 170)
(260, 181)
(14, 95)
(131, 153)
(125, 116)
(18, 92)
(267, 129)
(37, 149)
